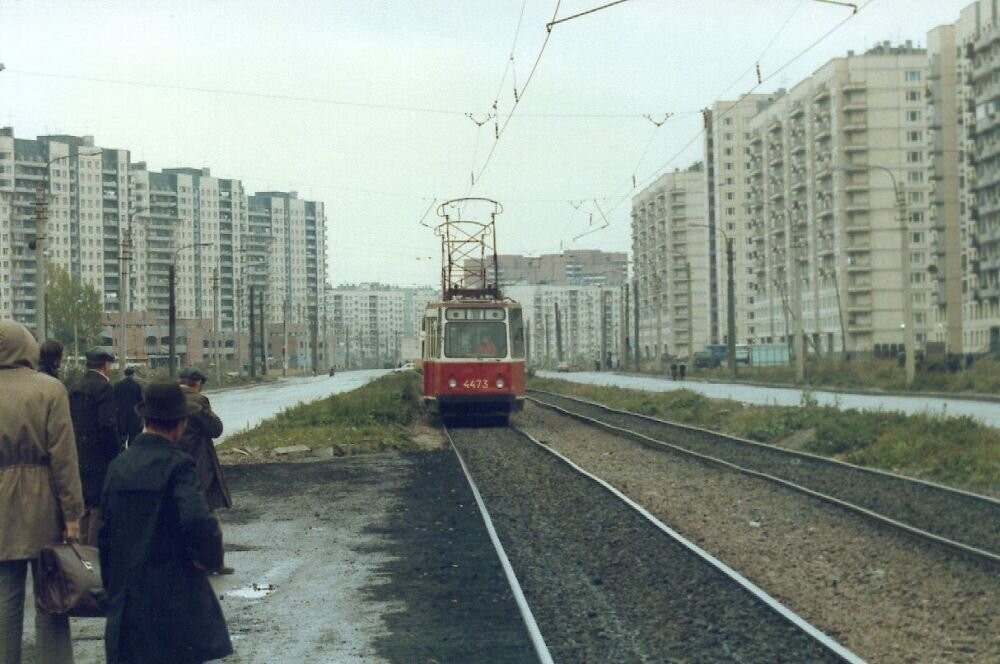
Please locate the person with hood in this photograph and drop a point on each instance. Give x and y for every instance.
(40, 497)
(157, 541)
(95, 421)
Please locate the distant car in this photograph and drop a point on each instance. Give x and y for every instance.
(564, 367)
(705, 360)
(406, 366)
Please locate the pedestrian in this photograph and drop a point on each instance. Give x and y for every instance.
(40, 497)
(95, 421)
(128, 394)
(197, 441)
(50, 357)
(682, 369)
(157, 540)
(673, 372)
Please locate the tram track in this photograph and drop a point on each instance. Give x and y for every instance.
(954, 519)
(607, 581)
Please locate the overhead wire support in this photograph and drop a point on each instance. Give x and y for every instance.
(551, 24)
(842, 4)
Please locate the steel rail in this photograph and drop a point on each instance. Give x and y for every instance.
(857, 509)
(535, 634)
(748, 585)
(777, 450)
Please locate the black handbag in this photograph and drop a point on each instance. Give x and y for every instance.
(68, 581)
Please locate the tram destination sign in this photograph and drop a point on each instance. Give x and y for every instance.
(453, 314)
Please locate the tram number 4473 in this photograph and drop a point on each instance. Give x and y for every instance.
(476, 384)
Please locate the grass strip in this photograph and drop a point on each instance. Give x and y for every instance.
(372, 418)
(954, 450)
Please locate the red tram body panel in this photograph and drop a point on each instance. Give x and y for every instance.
(473, 357)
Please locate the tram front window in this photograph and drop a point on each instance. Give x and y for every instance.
(479, 339)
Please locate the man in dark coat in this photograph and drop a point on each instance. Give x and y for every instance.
(95, 422)
(197, 441)
(128, 395)
(50, 356)
(157, 541)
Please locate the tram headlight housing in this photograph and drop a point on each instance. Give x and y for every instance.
(500, 383)
(452, 383)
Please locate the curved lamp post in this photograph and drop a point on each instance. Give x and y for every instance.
(909, 333)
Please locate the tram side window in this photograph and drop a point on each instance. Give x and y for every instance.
(516, 335)
(478, 339)
(432, 337)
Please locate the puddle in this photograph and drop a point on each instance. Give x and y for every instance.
(253, 591)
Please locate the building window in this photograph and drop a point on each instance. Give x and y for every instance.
(913, 76)
(914, 136)
(912, 95)
(915, 176)
(914, 157)
(913, 116)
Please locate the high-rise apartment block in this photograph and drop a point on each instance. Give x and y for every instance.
(573, 267)
(580, 325)
(375, 325)
(670, 243)
(839, 205)
(107, 217)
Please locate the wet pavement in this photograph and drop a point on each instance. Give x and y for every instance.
(987, 412)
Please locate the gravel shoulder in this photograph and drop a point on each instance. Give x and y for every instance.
(879, 593)
(377, 558)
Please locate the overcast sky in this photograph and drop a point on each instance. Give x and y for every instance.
(363, 105)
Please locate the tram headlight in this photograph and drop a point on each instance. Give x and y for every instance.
(500, 383)
(452, 383)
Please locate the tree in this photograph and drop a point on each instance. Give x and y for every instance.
(74, 309)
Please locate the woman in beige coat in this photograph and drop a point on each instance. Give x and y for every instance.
(40, 496)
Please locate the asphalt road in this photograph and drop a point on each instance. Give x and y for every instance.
(246, 407)
(986, 411)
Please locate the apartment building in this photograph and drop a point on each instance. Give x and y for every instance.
(374, 325)
(575, 267)
(727, 166)
(963, 106)
(672, 273)
(580, 325)
(107, 216)
(84, 194)
(839, 206)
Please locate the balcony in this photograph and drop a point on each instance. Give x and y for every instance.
(821, 94)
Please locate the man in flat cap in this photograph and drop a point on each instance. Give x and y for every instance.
(95, 421)
(158, 539)
(128, 395)
(197, 441)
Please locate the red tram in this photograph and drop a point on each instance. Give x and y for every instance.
(473, 357)
(473, 338)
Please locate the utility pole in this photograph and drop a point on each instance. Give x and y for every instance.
(659, 320)
(253, 334)
(284, 338)
(545, 322)
(909, 333)
(263, 339)
(690, 311)
(800, 360)
(731, 308)
(216, 324)
(604, 329)
(635, 325)
(626, 354)
(559, 349)
(123, 292)
(41, 217)
(172, 320)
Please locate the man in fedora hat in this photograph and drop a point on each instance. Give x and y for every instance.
(157, 540)
(197, 441)
(95, 422)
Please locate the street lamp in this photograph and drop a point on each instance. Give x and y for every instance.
(798, 346)
(909, 333)
(172, 320)
(41, 220)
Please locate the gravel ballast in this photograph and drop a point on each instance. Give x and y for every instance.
(604, 584)
(883, 595)
(916, 504)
